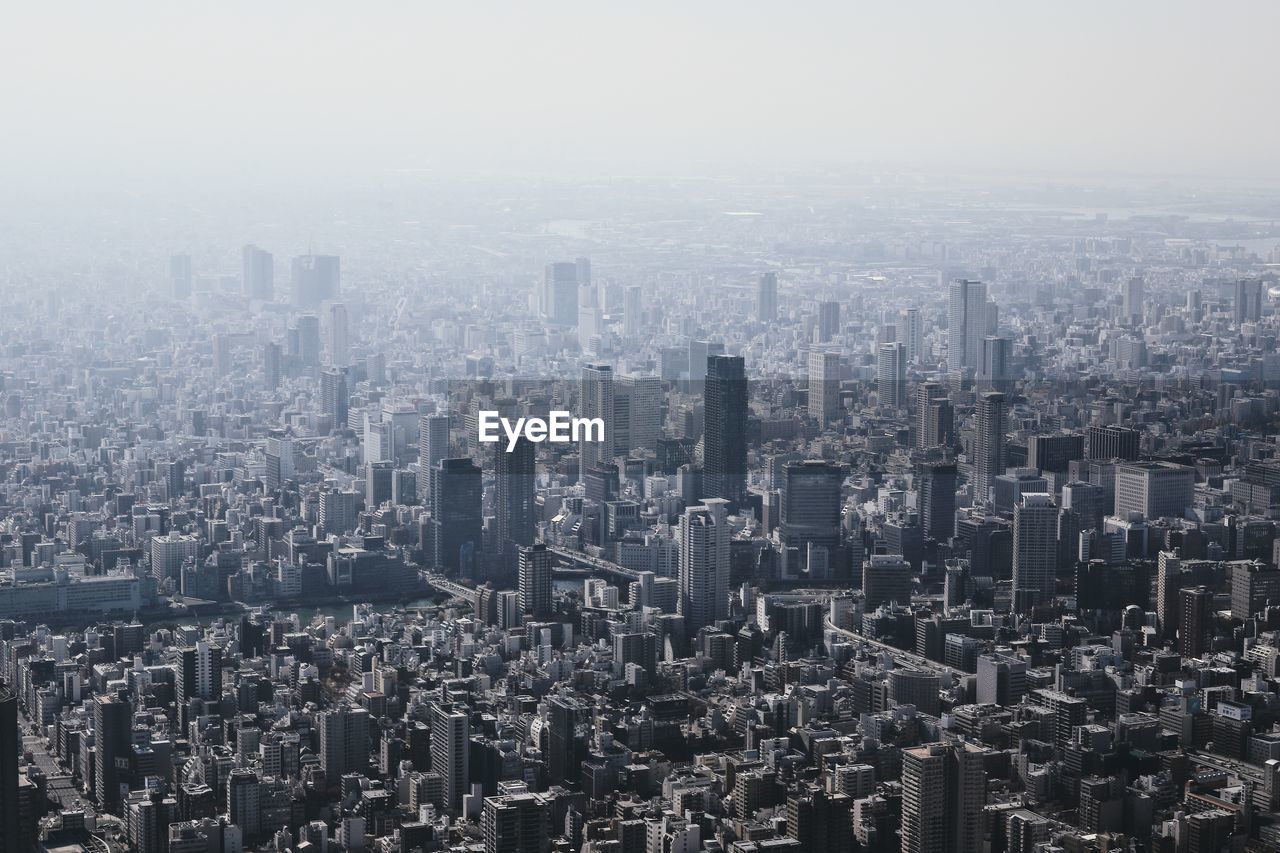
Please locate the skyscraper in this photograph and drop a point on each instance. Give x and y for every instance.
(1112, 442)
(258, 279)
(535, 580)
(560, 293)
(725, 432)
(886, 579)
(938, 499)
(811, 505)
(943, 792)
(456, 515)
(271, 366)
(966, 324)
(828, 321)
(433, 445)
(596, 401)
(111, 745)
(514, 493)
(339, 340)
(1132, 296)
(632, 311)
(994, 371)
(516, 823)
(451, 752)
(767, 298)
(308, 340)
(1035, 550)
(315, 279)
(990, 425)
(704, 564)
(891, 375)
(935, 416)
(10, 748)
(637, 413)
(1248, 301)
(1155, 489)
(1195, 610)
(913, 334)
(344, 741)
(824, 384)
(335, 399)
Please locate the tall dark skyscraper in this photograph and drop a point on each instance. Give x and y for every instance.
(811, 505)
(1248, 301)
(315, 279)
(258, 278)
(456, 515)
(938, 500)
(307, 349)
(271, 366)
(767, 298)
(991, 422)
(535, 577)
(111, 742)
(828, 321)
(935, 416)
(725, 436)
(10, 748)
(514, 478)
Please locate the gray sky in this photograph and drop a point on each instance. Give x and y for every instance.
(280, 88)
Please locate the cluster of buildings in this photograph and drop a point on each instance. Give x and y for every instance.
(948, 537)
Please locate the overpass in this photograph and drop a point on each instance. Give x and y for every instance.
(908, 660)
(457, 590)
(594, 565)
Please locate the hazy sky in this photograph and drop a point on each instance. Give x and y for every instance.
(279, 88)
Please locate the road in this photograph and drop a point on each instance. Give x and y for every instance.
(910, 659)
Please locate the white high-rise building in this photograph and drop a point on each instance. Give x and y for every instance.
(824, 384)
(596, 402)
(966, 323)
(891, 375)
(637, 407)
(451, 752)
(913, 334)
(704, 564)
(338, 343)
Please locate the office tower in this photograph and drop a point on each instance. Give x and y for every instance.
(1088, 502)
(169, 552)
(200, 673)
(344, 741)
(1132, 297)
(886, 579)
(1054, 452)
(704, 564)
(433, 445)
(589, 318)
(112, 750)
(1002, 679)
(811, 511)
(1155, 489)
(180, 277)
(913, 334)
(337, 512)
(1195, 622)
(308, 326)
(279, 468)
(935, 416)
(632, 311)
(560, 293)
(456, 515)
(174, 475)
(339, 344)
(820, 820)
(1254, 587)
(1035, 551)
(990, 425)
(271, 366)
(1112, 442)
(943, 794)
(767, 298)
(516, 823)
(891, 375)
(315, 279)
(966, 324)
(637, 413)
(514, 493)
(824, 384)
(1248, 301)
(828, 322)
(994, 369)
(10, 748)
(379, 483)
(451, 753)
(335, 399)
(535, 575)
(596, 401)
(569, 720)
(725, 431)
(259, 275)
(938, 499)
